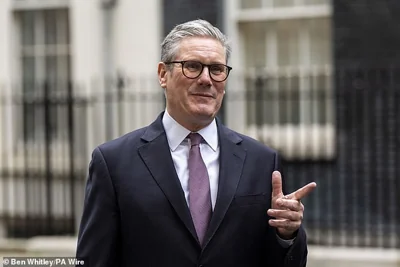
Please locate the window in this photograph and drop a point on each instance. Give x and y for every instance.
(45, 71)
(249, 4)
(39, 4)
(287, 75)
(290, 69)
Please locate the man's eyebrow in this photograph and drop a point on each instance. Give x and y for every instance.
(211, 63)
(216, 62)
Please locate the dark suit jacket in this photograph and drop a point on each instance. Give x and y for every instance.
(135, 213)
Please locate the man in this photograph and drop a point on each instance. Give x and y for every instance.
(186, 190)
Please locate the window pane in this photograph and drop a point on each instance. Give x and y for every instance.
(283, 3)
(294, 100)
(250, 4)
(63, 72)
(51, 26)
(254, 34)
(288, 43)
(320, 41)
(51, 72)
(316, 2)
(251, 101)
(320, 100)
(62, 27)
(28, 27)
(28, 74)
(261, 94)
(289, 108)
(255, 4)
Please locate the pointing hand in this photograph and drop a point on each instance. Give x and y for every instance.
(287, 210)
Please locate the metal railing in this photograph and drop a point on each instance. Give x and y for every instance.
(349, 145)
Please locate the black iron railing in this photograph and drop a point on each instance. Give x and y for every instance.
(351, 149)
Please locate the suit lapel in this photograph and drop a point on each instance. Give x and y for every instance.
(155, 154)
(232, 158)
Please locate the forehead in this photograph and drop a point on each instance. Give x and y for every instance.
(201, 48)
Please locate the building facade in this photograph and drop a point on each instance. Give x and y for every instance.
(314, 79)
(61, 61)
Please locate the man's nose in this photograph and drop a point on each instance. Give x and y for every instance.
(204, 78)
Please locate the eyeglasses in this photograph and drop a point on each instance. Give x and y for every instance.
(193, 69)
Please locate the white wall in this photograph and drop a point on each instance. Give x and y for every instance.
(86, 40)
(125, 39)
(5, 80)
(6, 73)
(135, 43)
(138, 33)
(236, 117)
(5, 41)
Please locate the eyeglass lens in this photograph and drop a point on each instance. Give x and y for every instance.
(193, 69)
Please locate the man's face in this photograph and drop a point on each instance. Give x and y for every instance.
(193, 102)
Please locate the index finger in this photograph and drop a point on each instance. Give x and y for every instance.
(302, 192)
(276, 184)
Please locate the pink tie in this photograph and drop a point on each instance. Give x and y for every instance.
(199, 188)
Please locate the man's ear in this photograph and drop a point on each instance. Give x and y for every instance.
(162, 74)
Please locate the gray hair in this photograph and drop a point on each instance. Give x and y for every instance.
(194, 28)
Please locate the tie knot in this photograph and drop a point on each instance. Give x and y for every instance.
(195, 139)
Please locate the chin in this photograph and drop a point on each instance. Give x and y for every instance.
(204, 110)
(205, 117)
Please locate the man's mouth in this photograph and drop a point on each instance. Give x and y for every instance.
(204, 95)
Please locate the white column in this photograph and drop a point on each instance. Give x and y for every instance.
(87, 63)
(86, 46)
(235, 106)
(86, 40)
(5, 41)
(7, 77)
(138, 34)
(5, 88)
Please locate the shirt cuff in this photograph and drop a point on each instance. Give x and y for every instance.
(285, 243)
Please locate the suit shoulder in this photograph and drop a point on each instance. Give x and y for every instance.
(252, 144)
(129, 140)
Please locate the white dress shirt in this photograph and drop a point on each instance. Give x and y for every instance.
(179, 145)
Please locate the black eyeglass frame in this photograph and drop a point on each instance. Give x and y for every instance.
(202, 68)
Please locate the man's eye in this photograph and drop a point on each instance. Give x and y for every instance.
(193, 65)
(217, 68)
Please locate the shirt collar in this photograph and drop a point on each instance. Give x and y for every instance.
(176, 133)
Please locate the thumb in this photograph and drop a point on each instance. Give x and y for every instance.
(276, 184)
